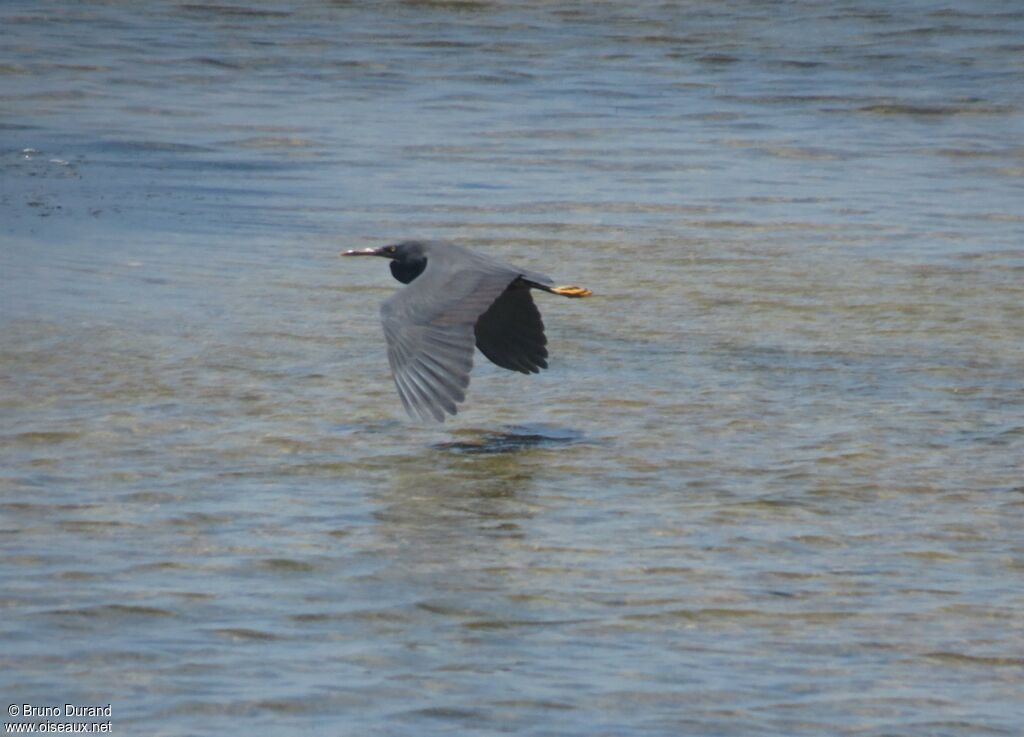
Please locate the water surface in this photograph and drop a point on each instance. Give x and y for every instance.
(771, 483)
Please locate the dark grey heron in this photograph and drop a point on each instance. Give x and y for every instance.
(456, 299)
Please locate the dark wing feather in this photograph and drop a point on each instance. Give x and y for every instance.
(429, 327)
(430, 366)
(511, 332)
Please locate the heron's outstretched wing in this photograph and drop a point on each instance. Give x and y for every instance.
(430, 366)
(429, 326)
(511, 332)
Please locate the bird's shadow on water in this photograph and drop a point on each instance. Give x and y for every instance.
(512, 439)
(475, 484)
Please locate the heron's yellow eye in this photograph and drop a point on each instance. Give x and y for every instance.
(390, 249)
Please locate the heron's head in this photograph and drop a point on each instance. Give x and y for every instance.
(408, 258)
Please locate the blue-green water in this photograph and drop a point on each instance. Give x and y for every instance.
(772, 483)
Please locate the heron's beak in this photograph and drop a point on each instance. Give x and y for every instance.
(362, 252)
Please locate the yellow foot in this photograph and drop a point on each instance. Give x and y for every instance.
(571, 291)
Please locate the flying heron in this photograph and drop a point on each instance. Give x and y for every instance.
(456, 299)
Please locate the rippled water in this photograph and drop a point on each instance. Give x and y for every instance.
(771, 484)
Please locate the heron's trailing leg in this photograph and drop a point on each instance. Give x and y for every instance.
(566, 291)
(571, 291)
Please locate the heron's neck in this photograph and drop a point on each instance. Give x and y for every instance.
(405, 272)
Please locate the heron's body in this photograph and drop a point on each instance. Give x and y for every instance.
(455, 299)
